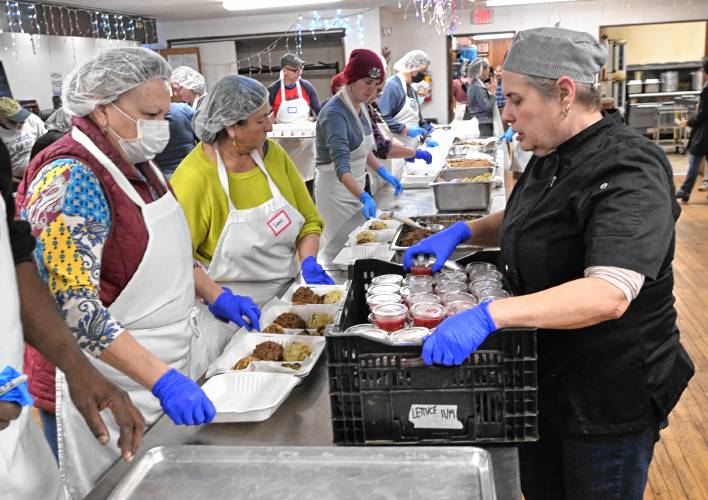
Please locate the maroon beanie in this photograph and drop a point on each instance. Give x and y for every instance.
(363, 63)
(337, 82)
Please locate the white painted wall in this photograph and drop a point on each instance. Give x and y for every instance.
(220, 56)
(29, 73)
(582, 15)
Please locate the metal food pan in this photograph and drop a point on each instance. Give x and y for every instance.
(445, 219)
(462, 196)
(285, 473)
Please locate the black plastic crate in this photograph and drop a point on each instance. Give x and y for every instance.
(382, 395)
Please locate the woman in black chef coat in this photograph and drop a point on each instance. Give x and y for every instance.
(587, 240)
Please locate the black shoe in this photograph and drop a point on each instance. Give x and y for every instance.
(682, 195)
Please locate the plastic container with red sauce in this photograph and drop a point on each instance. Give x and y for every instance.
(458, 306)
(388, 298)
(390, 317)
(383, 290)
(427, 314)
(422, 266)
(455, 296)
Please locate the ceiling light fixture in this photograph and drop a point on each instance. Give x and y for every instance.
(270, 4)
(493, 36)
(504, 3)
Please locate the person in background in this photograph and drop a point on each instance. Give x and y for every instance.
(253, 223)
(30, 317)
(188, 85)
(345, 146)
(58, 124)
(481, 97)
(459, 95)
(114, 249)
(586, 244)
(698, 142)
(501, 101)
(182, 138)
(399, 102)
(295, 100)
(19, 129)
(387, 146)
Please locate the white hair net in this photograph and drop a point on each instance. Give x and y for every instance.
(232, 99)
(474, 69)
(189, 78)
(60, 120)
(104, 78)
(415, 59)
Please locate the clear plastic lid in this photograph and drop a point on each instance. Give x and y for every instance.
(363, 328)
(476, 286)
(477, 267)
(383, 290)
(431, 310)
(450, 286)
(486, 275)
(387, 279)
(457, 306)
(423, 297)
(411, 335)
(418, 279)
(388, 298)
(450, 275)
(455, 296)
(389, 310)
(491, 294)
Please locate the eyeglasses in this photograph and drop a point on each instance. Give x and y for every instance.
(298, 70)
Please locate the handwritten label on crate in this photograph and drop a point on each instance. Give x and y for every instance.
(434, 416)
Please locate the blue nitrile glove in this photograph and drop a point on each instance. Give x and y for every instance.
(458, 336)
(391, 179)
(414, 131)
(369, 209)
(183, 400)
(421, 154)
(428, 127)
(440, 244)
(506, 136)
(229, 307)
(313, 273)
(431, 143)
(19, 394)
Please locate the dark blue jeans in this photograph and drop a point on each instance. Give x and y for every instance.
(573, 467)
(694, 162)
(49, 424)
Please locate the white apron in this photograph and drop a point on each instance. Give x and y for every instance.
(460, 108)
(410, 116)
(300, 150)
(256, 255)
(27, 467)
(335, 203)
(156, 307)
(375, 180)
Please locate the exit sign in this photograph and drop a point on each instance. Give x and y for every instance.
(482, 16)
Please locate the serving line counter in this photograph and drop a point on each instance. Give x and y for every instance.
(304, 418)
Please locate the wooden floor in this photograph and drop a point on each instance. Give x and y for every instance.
(679, 470)
(680, 466)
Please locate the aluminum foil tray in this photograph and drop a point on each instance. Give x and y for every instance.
(230, 472)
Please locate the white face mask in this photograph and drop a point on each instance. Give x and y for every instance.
(153, 136)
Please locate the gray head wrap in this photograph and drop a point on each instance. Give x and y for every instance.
(104, 78)
(555, 52)
(232, 99)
